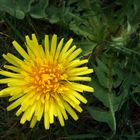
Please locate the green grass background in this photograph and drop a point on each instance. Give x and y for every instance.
(108, 31)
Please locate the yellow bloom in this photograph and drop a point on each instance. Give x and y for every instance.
(44, 83)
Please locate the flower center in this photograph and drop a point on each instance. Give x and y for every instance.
(48, 78)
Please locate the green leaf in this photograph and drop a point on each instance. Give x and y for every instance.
(86, 46)
(12, 8)
(39, 9)
(103, 116)
(25, 5)
(112, 85)
(103, 93)
(100, 93)
(136, 89)
(56, 14)
(101, 73)
(74, 27)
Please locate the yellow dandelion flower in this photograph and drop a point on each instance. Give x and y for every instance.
(45, 82)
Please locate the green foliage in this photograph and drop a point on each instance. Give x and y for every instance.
(109, 34)
(20, 8)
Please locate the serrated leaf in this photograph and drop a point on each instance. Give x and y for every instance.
(80, 31)
(100, 92)
(87, 47)
(102, 65)
(118, 76)
(101, 75)
(102, 116)
(119, 100)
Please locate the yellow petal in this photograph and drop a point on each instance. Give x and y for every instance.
(15, 104)
(71, 102)
(88, 71)
(66, 47)
(60, 117)
(15, 69)
(71, 111)
(72, 97)
(36, 48)
(24, 117)
(28, 114)
(46, 115)
(6, 91)
(29, 99)
(53, 46)
(79, 78)
(78, 96)
(14, 58)
(58, 100)
(51, 111)
(32, 47)
(19, 112)
(20, 50)
(29, 46)
(16, 82)
(74, 54)
(76, 63)
(80, 87)
(10, 60)
(31, 112)
(66, 55)
(33, 122)
(10, 74)
(77, 70)
(40, 113)
(59, 47)
(64, 113)
(47, 45)
(46, 120)
(16, 96)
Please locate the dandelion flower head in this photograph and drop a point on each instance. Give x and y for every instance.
(45, 82)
